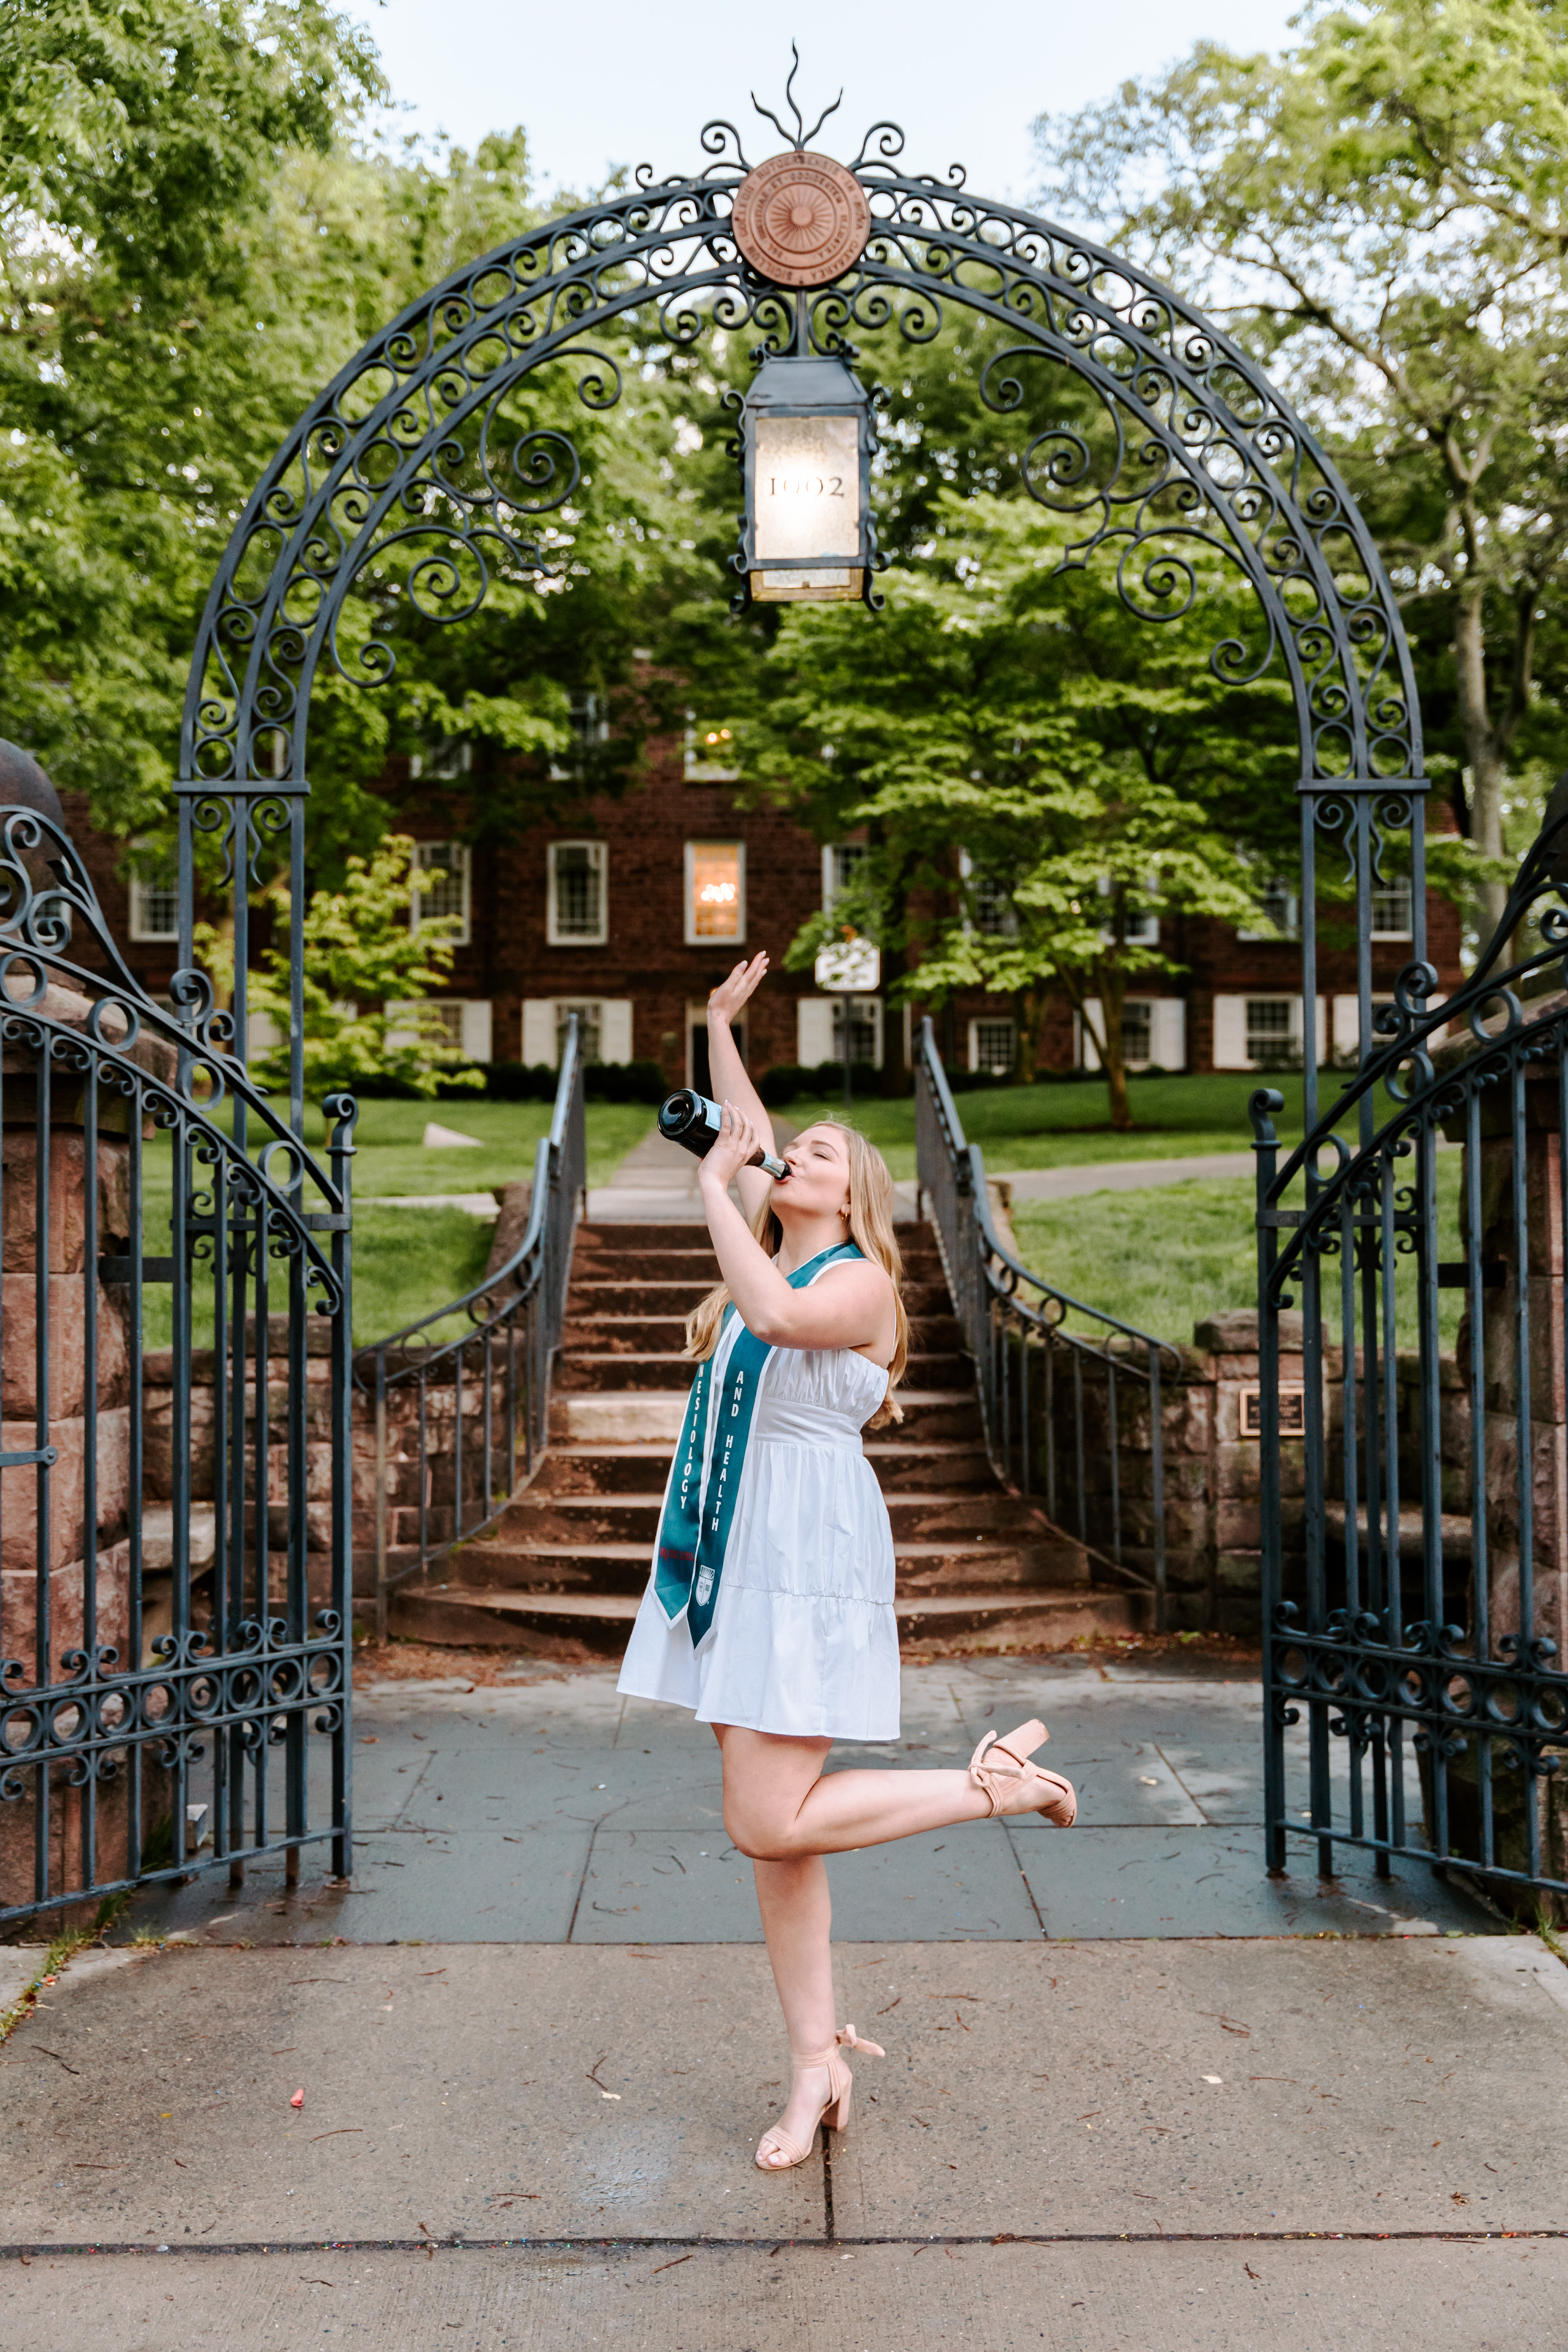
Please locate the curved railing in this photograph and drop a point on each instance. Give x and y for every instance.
(1041, 1384)
(472, 1404)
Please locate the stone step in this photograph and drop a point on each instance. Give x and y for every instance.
(582, 1370)
(610, 1332)
(635, 1467)
(951, 1520)
(510, 1566)
(639, 1295)
(623, 1416)
(679, 1265)
(601, 1621)
(905, 1468)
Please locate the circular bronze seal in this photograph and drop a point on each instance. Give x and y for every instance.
(801, 219)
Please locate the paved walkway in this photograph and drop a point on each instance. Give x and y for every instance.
(1121, 1175)
(1152, 2100)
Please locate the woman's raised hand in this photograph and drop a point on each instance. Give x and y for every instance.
(738, 1145)
(731, 995)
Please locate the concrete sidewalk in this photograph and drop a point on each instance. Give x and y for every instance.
(1152, 2100)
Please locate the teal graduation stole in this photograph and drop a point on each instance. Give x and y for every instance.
(694, 1529)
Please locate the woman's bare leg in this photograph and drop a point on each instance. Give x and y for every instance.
(797, 1922)
(778, 1807)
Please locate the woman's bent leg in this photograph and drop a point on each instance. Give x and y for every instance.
(777, 1805)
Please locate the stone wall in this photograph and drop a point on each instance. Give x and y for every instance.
(1213, 1521)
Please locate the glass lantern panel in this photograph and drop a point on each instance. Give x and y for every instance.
(807, 488)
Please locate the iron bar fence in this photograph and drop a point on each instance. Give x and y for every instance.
(1420, 1635)
(464, 1408)
(1072, 1415)
(175, 1617)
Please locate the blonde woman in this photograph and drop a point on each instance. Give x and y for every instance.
(770, 1609)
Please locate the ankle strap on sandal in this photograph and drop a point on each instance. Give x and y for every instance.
(846, 2038)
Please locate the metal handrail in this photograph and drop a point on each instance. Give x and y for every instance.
(1016, 1343)
(516, 1313)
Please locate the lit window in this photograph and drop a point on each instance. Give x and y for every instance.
(1391, 904)
(577, 908)
(715, 891)
(588, 1024)
(441, 877)
(155, 894)
(1137, 1029)
(991, 1047)
(840, 860)
(1271, 1039)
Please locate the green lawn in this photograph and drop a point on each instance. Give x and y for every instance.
(1069, 1126)
(1165, 1258)
(407, 1262)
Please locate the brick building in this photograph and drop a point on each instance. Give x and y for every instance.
(628, 911)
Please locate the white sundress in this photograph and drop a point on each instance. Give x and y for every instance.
(803, 1640)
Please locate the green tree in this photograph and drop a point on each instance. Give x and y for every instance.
(358, 950)
(1382, 212)
(1035, 766)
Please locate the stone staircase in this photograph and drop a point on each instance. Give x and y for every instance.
(562, 1572)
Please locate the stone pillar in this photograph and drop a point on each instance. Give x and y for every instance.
(80, 1419)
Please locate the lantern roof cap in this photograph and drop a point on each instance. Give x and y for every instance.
(786, 380)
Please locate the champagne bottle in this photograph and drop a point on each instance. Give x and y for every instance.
(690, 1119)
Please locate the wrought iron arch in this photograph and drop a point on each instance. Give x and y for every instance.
(401, 450)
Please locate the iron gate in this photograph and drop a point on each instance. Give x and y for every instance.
(1416, 1533)
(176, 1665)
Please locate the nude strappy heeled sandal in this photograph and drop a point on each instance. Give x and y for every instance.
(1014, 1785)
(834, 2110)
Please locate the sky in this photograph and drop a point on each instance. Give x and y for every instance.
(606, 84)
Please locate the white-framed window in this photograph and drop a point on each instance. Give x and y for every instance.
(1137, 1032)
(1139, 927)
(1392, 909)
(710, 753)
(1273, 1031)
(1153, 1033)
(463, 1024)
(578, 911)
(988, 908)
(442, 876)
(993, 1044)
(154, 893)
(1280, 904)
(715, 892)
(449, 757)
(839, 860)
(603, 1031)
(1248, 1037)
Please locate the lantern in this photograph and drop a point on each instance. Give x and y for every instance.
(806, 439)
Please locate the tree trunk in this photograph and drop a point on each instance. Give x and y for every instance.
(1484, 748)
(1113, 1057)
(1028, 1007)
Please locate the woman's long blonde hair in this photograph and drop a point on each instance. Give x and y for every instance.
(870, 1226)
